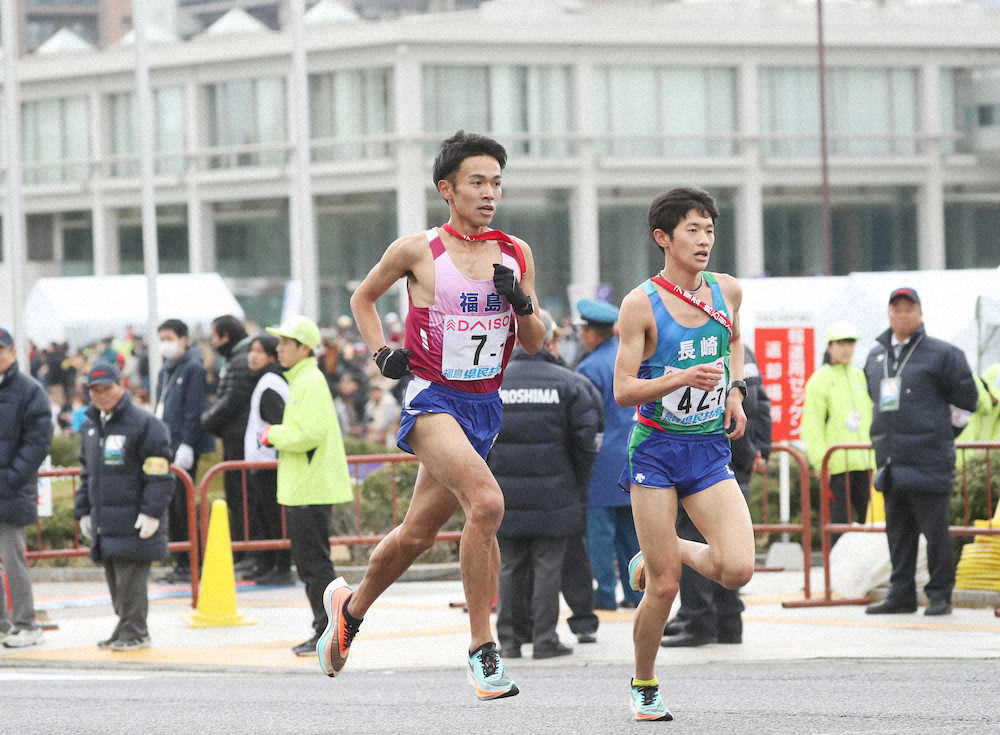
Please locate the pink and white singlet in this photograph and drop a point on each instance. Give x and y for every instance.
(465, 339)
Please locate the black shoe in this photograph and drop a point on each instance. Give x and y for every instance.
(306, 648)
(675, 626)
(628, 604)
(586, 638)
(510, 652)
(177, 575)
(730, 638)
(275, 578)
(887, 607)
(938, 607)
(106, 643)
(686, 639)
(551, 651)
(245, 564)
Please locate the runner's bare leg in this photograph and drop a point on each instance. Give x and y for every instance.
(655, 513)
(720, 512)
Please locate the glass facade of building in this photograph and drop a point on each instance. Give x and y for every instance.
(348, 107)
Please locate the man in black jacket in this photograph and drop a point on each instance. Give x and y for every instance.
(125, 488)
(914, 380)
(180, 401)
(542, 461)
(709, 612)
(227, 417)
(25, 439)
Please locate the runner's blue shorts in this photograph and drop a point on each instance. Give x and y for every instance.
(687, 462)
(478, 414)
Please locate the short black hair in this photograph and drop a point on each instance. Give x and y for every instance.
(268, 343)
(229, 326)
(672, 206)
(464, 145)
(174, 325)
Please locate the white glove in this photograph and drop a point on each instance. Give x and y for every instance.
(85, 528)
(184, 457)
(147, 525)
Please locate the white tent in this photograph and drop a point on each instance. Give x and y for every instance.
(84, 309)
(988, 322)
(954, 303)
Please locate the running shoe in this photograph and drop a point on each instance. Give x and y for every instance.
(335, 642)
(486, 673)
(637, 573)
(647, 704)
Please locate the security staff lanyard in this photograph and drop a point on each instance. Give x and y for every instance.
(891, 388)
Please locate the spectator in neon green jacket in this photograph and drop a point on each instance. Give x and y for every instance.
(312, 467)
(838, 410)
(984, 423)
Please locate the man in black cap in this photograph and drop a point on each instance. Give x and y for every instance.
(914, 380)
(25, 439)
(125, 490)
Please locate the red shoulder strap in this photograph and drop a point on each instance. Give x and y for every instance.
(517, 252)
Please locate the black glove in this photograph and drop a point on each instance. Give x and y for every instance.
(393, 363)
(508, 286)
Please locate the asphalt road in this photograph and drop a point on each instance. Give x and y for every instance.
(888, 697)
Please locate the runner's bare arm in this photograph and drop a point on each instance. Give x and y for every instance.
(635, 323)
(398, 261)
(734, 416)
(530, 329)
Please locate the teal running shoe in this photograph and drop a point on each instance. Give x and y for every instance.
(637, 573)
(647, 704)
(486, 673)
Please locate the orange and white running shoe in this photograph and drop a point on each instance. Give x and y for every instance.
(335, 642)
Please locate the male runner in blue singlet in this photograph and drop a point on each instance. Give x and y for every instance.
(680, 360)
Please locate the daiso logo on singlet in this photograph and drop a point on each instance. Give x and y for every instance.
(461, 324)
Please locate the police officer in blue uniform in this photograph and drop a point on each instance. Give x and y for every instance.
(610, 529)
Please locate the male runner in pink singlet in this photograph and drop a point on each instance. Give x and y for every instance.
(471, 290)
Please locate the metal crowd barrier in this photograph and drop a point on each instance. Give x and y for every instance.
(804, 527)
(82, 550)
(356, 464)
(827, 527)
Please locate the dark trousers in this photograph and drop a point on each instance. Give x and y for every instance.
(909, 513)
(232, 482)
(707, 608)
(854, 485)
(263, 496)
(127, 581)
(578, 586)
(177, 518)
(522, 557)
(309, 532)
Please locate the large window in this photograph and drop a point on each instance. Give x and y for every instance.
(252, 249)
(956, 109)
(347, 107)
(870, 111)
(352, 232)
(171, 240)
(78, 244)
(665, 111)
(628, 254)
(55, 139)
(528, 108)
(247, 117)
(168, 131)
(872, 230)
(971, 224)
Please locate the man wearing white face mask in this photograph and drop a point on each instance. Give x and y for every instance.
(180, 400)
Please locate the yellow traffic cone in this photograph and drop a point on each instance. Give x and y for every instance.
(217, 591)
(876, 507)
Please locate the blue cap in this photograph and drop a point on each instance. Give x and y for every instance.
(597, 312)
(103, 373)
(6, 338)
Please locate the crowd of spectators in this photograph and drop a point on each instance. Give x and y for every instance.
(367, 404)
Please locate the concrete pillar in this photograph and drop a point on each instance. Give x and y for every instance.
(104, 230)
(930, 196)
(750, 200)
(411, 178)
(585, 265)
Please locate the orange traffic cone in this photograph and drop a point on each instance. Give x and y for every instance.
(217, 591)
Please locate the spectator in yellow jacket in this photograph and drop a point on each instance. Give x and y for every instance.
(838, 410)
(984, 422)
(312, 467)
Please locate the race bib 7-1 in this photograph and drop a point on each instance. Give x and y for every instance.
(473, 346)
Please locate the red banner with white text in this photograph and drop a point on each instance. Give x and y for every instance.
(786, 358)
